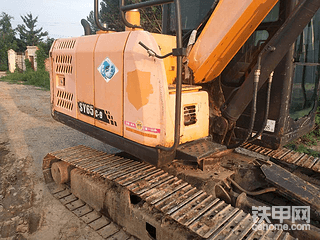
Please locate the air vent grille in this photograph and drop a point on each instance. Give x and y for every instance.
(64, 64)
(66, 44)
(64, 59)
(64, 100)
(190, 116)
(63, 69)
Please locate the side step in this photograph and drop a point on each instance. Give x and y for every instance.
(197, 150)
(150, 203)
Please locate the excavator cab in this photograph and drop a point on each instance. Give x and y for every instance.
(294, 92)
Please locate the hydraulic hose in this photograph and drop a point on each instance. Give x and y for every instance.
(153, 53)
(266, 114)
(256, 80)
(266, 190)
(281, 41)
(254, 105)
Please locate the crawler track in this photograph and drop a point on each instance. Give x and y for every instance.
(193, 211)
(288, 156)
(99, 223)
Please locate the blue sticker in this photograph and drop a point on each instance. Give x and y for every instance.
(107, 69)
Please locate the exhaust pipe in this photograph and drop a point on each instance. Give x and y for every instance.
(86, 27)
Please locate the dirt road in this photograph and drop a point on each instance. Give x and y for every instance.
(27, 134)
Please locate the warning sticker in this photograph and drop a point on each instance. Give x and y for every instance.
(138, 125)
(271, 125)
(107, 69)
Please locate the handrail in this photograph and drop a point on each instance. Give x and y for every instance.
(143, 4)
(122, 14)
(177, 121)
(126, 8)
(96, 16)
(171, 150)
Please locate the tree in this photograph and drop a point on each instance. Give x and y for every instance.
(92, 23)
(46, 45)
(43, 52)
(7, 39)
(41, 57)
(110, 14)
(29, 34)
(151, 19)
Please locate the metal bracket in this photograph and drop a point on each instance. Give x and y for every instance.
(179, 52)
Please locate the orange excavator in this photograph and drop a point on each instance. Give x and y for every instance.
(201, 113)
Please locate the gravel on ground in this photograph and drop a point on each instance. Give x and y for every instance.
(27, 134)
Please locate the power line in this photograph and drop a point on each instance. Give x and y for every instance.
(52, 22)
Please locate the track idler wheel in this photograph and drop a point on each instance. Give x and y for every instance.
(61, 172)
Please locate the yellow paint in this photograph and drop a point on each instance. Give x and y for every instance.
(228, 28)
(141, 133)
(166, 43)
(149, 71)
(104, 32)
(157, 109)
(139, 88)
(138, 92)
(185, 88)
(133, 17)
(195, 131)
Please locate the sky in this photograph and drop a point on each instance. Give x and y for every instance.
(60, 18)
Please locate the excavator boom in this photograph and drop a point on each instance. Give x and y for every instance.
(228, 28)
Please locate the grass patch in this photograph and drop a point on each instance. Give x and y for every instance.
(301, 148)
(40, 78)
(310, 139)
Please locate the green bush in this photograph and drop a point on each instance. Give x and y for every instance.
(40, 78)
(310, 139)
(301, 148)
(28, 65)
(4, 65)
(41, 57)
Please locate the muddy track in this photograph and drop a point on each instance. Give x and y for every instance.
(193, 212)
(27, 134)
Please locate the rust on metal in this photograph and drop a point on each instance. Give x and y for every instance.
(61, 172)
(300, 190)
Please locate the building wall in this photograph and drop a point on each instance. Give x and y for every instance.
(32, 56)
(18, 59)
(12, 60)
